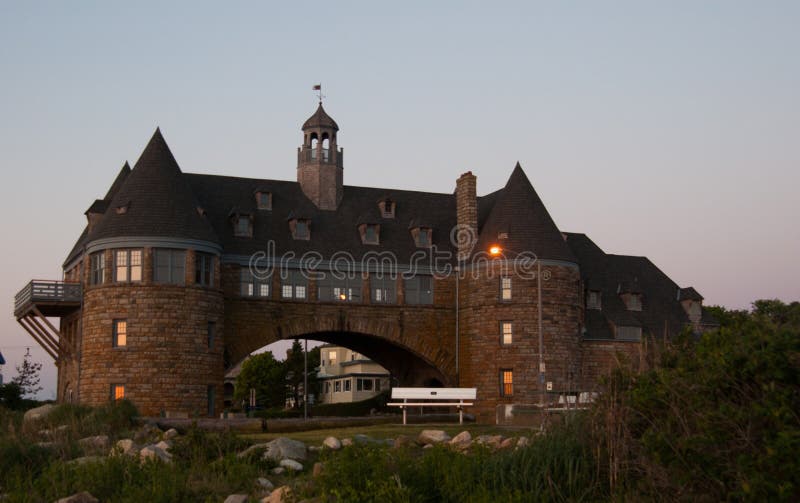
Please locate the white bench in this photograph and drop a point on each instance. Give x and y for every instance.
(433, 397)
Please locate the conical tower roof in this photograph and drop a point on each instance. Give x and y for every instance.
(320, 119)
(520, 214)
(154, 200)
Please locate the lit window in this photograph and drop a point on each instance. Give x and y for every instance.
(169, 266)
(593, 299)
(332, 357)
(253, 286)
(98, 268)
(204, 269)
(383, 289)
(120, 333)
(127, 265)
(419, 290)
(117, 392)
(294, 285)
(505, 288)
(506, 331)
(264, 200)
(506, 383)
(347, 289)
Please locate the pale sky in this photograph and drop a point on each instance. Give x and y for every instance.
(664, 129)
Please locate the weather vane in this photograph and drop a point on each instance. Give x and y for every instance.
(318, 88)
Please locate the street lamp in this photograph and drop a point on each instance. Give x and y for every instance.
(496, 251)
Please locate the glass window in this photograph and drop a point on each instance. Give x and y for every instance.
(127, 265)
(387, 210)
(301, 229)
(120, 333)
(593, 299)
(264, 200)
(210, 333)
(505, 288)
(204, 269)
(506, 331)
(243, 226)
(337, 386)
(169, 266)
(423, 237)
(383, 288)
(347, 384)
(367, 384)
(371, 235)
(419, 290)
(506, 382)
(98, 268)
(634, 302)
(252, 286)
(294, 285)
(629, 333)
(117, 392)
(331, 289)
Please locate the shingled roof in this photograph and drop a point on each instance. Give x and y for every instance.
(157, 200)
(320, 119)
(519, 212)
(661, 312)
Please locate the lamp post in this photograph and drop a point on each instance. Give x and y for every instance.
(497, 250)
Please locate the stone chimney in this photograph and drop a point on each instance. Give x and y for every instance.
(467, 214)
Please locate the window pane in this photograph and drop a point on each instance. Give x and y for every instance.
(300, 292)
(506, 328)
(118, 391)
(286, 291)
(120, 333)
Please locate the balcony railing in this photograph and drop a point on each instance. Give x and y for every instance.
(49, 292)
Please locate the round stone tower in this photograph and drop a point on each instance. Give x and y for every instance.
(519, 305)
(152, 314)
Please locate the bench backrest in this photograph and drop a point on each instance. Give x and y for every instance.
(435, 393)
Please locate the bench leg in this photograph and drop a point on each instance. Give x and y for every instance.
(460, 415)
(404, 416)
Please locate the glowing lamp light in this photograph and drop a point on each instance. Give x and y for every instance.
(495, 250)
(342, 296)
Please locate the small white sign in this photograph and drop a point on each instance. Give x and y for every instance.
(549, 385)
(541, 367)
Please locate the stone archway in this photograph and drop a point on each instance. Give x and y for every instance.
(417, 345)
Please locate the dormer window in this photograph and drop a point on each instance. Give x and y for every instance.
(243, 226)
(370, 233)
(593, 299)
(264, 200)
(300, 228)
(387, 208)
(633, 301)
(422, 236)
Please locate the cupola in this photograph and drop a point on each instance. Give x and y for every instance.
(319, 161)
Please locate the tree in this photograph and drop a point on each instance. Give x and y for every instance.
(10, 395)
(295, 367)
(28, 376)
(267, 376)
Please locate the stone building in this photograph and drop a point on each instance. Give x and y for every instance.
(347, 376)
(178, 277)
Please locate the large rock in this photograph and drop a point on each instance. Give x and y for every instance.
(462, 441)
(292, 465)
(523, 442)
(147, 433)
(81, 497)
(264, 484)
(332, 443)
(427, 437)
(126, 446)
(252, 449)
(39, 413)
(492, 441)
(285, 448)
(402, 441)
(153, 452)
(347, 442)
(317, 470)
(360, 439)
(507, 443)
(283, 494)
(164, 445)
(58, 431)
(170, 434)
(236, 498)
(96, 443)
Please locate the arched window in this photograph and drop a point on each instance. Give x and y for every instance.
(314, 141)
(326, 143)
